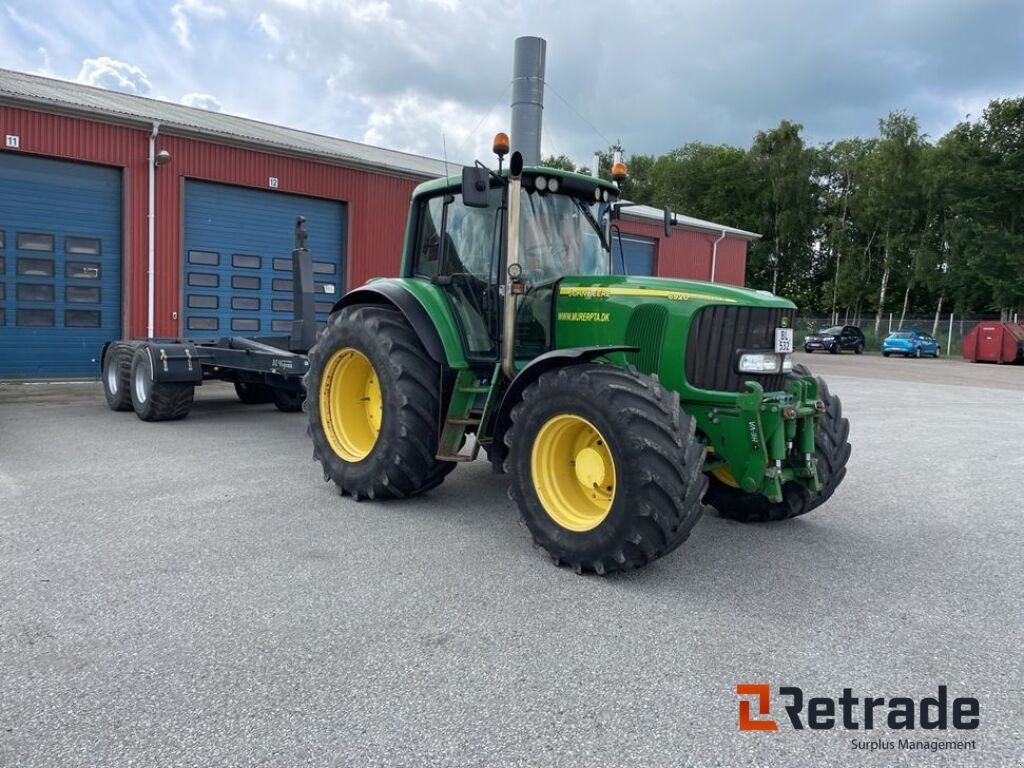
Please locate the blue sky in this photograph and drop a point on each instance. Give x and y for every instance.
(652, 75)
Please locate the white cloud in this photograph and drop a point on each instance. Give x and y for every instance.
(269, 25)
(182, 11)
(106, 72)
(415, 123)
(202, 101)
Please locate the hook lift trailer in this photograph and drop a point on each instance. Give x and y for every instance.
(157, 377)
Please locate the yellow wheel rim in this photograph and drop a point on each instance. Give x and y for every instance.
(573, 472)
(724, 474)
(351, 406)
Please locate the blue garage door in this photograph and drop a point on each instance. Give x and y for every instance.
(639, 253)
(60, 266)
(237, 261)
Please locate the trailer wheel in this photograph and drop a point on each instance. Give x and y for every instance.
(157, 400)
(373, 405)
(287, 400)
(832, 450)
(252, 394)
(117, 375)
(605, 467)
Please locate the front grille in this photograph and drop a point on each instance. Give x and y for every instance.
(646, 330)
(718, 332)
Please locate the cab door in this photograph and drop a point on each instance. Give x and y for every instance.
(457, 248)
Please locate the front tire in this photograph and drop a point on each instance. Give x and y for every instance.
(372, 405)
(605, 467)
(117, 375)
(832, 451)
(157, 400)
(834, 349)
(917, 353)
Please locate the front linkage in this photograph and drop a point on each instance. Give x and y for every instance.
(769, 439)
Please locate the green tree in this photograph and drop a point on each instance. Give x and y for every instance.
(786, 201)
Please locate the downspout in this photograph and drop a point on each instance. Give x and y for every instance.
(714, 255)
(152, 228)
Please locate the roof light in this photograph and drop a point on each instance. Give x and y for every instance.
(540, 183)
(501, 144)
(552, 184)
(619, 172)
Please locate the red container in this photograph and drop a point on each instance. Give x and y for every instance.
(994, 343)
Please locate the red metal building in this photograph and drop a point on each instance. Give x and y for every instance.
(224, 190)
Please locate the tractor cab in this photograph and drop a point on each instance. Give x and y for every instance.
(460, 238)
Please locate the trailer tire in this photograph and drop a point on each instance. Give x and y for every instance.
(648, 452)
(157, 400)
(287, 400)
(117, 375)
(832, 450)
(253, 394)
(399, 458)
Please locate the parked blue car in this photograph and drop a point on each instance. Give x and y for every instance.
(910, 344)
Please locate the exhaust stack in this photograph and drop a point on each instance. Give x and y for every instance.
(528, 97)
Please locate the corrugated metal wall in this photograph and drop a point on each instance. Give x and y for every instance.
(377, 207)
(377, 204)
(687, 254)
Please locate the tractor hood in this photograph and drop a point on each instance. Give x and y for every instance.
(688, 332)
(637, 289)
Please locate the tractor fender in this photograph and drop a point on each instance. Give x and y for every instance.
(410, 307)
(549, 361)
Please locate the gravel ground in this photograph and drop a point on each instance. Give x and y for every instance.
(192, 593)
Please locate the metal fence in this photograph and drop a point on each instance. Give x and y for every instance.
(950, 330)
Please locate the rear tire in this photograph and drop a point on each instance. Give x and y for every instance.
(886, 354)
(650, 457)
(252, 394)
(832, 450)
(287, 400)
(157, 400)
(917, 353)
(859, 349)
(117, 375)
(400, 462)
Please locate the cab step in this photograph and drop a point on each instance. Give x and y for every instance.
(464, 415)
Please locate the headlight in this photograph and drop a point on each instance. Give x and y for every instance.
(763, 362)
(787, 363)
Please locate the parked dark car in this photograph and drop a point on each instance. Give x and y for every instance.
(835, 340)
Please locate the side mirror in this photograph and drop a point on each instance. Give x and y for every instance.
(476, 187)
(668, 222)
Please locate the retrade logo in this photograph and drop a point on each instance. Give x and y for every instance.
(762, 694)
(851, 713)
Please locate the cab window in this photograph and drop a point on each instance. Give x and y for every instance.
(469, 243)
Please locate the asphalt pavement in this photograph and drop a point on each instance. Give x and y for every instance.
(193, 593)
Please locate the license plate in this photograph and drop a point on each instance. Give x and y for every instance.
(784, 340)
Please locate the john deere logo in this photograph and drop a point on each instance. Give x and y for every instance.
(785, 322)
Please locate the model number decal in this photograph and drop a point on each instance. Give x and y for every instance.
(597, 292)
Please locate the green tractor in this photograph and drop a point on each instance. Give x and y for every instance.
(618, 405)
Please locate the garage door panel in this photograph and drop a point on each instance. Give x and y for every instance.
(639, 253)
(237, 261)
(60, 265)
